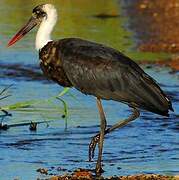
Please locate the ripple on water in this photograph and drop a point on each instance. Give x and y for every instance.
(148, 145)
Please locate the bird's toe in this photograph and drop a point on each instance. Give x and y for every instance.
(92, 146)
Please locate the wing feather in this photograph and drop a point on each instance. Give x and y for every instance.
(108, 74)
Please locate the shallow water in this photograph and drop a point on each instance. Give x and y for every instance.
(148, 145)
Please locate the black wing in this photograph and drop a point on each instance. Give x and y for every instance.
(106, 73)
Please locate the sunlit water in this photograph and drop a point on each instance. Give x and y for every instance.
(148, 145)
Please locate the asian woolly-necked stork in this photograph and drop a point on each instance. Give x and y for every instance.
(94, 69)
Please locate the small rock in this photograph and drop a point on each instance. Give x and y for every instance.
(61, 169)
(43, 171)
(143, 6)
(82, 174)
(33, 126)
(54, 178)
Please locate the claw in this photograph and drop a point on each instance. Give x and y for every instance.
(92, 146)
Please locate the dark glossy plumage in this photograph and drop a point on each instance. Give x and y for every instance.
(104, 72)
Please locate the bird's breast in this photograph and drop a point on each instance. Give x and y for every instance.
(51, 66)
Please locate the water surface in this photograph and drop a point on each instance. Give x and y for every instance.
(148, 145)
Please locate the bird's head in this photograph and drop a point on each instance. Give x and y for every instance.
(39, 14)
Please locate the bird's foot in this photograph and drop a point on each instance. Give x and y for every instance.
(99, 170)
(92, 146)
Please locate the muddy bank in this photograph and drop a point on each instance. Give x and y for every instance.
(155, 27)
(82, 174)
(154, 23)
(132, 177)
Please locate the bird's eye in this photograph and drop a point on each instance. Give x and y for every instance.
(44, 14)
(38, 12)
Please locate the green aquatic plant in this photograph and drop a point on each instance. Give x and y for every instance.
(30, 105)
(65, 115)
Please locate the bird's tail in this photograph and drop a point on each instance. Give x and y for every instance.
(155, 100)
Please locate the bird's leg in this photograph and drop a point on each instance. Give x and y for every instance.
(101, 137)
(120, 124)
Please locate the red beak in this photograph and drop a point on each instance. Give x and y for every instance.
(30, 25)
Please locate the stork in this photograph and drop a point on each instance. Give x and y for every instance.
(94, 69)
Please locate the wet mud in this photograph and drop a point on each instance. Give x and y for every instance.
(83, 174)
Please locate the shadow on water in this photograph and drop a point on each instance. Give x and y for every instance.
(22, 72)
(148, 145)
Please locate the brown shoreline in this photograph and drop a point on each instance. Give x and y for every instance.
(130, 177)
(84, 174)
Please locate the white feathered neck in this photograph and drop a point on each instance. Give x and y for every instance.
(44, 32)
